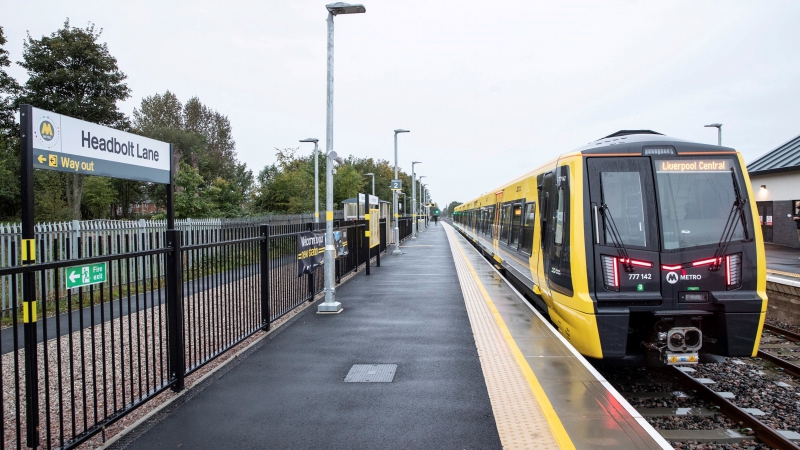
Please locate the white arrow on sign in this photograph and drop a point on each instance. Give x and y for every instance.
(73, 276)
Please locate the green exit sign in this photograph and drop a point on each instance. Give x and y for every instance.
(80, 276)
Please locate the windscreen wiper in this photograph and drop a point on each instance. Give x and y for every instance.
(616, 238)
(734, 217)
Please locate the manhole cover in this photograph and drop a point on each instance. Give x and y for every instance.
(371, 373)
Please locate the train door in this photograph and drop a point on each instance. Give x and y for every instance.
(624, 229)
(498, 206)
(516, 225)
(557, 243)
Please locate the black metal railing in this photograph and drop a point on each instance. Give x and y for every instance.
(104, 349)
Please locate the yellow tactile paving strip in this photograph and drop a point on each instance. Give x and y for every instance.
(786, 274)
(521, 423)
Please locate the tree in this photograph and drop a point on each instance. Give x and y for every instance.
(98, 196)
(8, 89)
(202, 139)
(452, 207)
(71, 73)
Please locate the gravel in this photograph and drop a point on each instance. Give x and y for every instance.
(76, 408)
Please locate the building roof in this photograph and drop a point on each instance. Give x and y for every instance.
(785, 158)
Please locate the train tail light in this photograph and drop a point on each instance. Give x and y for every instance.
(733, 271)
(634, 262)
(704, 262)
(611, 272)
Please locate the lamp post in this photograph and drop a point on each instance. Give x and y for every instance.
(420, 198)
(330, 305)
(718, 126)
(394, 197)
(373, 182)
(414, 200)
(316, 178)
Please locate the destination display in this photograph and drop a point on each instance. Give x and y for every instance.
(67, 144)
(310, 252)
(688, 165)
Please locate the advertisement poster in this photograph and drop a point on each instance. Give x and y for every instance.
(310, 252)
(340, 240)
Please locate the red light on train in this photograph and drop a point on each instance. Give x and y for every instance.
(637, 263)
(666, 267)
(704, 262)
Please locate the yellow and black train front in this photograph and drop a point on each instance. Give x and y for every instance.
(644, 249)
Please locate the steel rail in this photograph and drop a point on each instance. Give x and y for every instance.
(763, 432)
(786, 333)
(788, 367)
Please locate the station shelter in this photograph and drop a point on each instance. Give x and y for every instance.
(775, 179)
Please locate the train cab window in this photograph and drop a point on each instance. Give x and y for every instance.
(622, 194)
(695, 202)
(528, 222)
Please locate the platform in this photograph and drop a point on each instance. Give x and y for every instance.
(783, 263)
(433, 350)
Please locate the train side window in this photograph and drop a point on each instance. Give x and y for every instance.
(559, 232)
(529, 220)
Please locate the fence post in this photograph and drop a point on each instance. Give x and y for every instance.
(177, 363)
(265, 314)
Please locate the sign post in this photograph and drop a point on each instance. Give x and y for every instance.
(53, 141)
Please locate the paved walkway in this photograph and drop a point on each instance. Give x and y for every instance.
(290, 393)
(783, 259)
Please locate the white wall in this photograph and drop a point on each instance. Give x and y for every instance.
(780, 186)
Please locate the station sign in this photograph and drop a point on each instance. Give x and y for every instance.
(396, 185)
(80, 276)
(67, 144)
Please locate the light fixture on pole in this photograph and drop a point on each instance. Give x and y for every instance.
(316, 178)
(373, 182)
(718, 126)
(394, 196)
(330, 305)
(414, 200)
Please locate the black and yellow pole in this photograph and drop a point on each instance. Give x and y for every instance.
(28, 256)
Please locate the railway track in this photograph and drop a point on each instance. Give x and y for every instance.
(689, 405)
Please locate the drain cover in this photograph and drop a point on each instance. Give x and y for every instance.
(371, 373)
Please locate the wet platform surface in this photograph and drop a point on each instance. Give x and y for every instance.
(783, 262)
(290, 393)
(471, 365)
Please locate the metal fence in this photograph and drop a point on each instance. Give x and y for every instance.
(70, 240)
(82, 358)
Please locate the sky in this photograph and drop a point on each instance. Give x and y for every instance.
(489, 90)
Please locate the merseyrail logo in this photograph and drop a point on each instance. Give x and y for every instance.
(47, 132)
(672, 278)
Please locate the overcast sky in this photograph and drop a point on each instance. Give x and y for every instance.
(489, 90)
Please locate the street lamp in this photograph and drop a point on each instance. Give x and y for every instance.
(330, 305)
(373, 182)
(718, 126)
(414, 200)
(420, 198)
(316, 178)
(394, 197)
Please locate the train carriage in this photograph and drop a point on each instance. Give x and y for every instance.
(640, 247)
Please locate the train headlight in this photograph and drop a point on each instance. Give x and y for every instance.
(733, 271)
(610, 272)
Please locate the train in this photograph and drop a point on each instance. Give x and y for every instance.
(641, 248)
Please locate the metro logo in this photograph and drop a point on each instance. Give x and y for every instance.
(46, 130)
